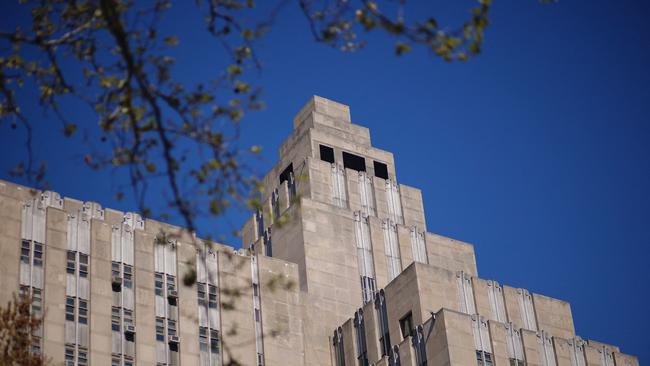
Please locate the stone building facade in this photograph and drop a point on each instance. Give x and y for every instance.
(336, 269)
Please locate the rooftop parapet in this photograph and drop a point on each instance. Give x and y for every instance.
(339, 113)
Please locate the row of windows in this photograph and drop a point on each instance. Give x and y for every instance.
(36, 255)
(79, 306)
(208, 337)
(82, 356)
(71, 265)
(122, 276)
(354, 162)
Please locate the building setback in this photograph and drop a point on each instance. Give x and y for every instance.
(336, 269)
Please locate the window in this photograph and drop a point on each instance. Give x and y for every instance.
(287, 174)
(406, 325)
(83, 311)
(36, 346)
(70, 266)
(420, 346)
(115, 269)
(115, 319)
(69, 308)
(83, 265)
(359, 325)
(354, 162)
(128, 316)
(171, 283)
(516, 362)
(214, 341)
(382, 315)
(128, 276)
(326, 154)
(36, 301)
(115, 361)
(24, 251)
(201, 294)
(69, 353)
(171, 327)
(82, 358)
(159, 283)
(381, 170)
(160, 329)
(483, 358)
(257, 315)
(393, 357)
(38, 254)
(338, 347)
(203, 339)
(212, 297)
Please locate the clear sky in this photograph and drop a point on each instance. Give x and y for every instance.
(537, 152)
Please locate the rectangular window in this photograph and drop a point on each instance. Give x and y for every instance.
(82, 359)
(201, 295)
(69, 308)
(171, 327)
(362, 349)
(83, 311)
(203, 339)
(171, 283)
(214, 341)
(381, 170)
(382, 315)
(128, 316)
(212, 297)
(338, 347)
(420, 346)
(483, 358)
(71, 262)
(287, 173)
(159, 283)
(83, 265)
(128, 276)
(69, 353)
(115, 319)
(25, 248)
(406, 325)
(326, 154)
(38, 254)
(37, 301)
(160, 329)
(354, 162)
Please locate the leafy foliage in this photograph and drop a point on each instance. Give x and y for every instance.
(16, 329)
(115, 57)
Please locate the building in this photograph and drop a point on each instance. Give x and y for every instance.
(336, 269)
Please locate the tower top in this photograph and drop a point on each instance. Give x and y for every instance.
(334, 113)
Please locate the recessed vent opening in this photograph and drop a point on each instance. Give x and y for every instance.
(286, 173)
(381, 170)
(326, 154)
(354, 162)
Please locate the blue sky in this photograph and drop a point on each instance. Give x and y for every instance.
(537, 151)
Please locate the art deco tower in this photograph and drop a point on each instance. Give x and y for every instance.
(337, 268)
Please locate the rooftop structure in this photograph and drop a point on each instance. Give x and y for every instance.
(336, 269)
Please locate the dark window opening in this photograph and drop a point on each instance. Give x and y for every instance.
(354, 162)
(381, 170)
(406, 325)
(326, 154)
(286, 173)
